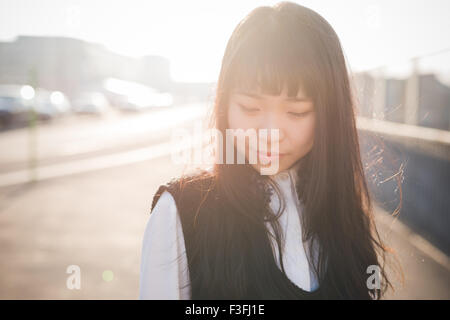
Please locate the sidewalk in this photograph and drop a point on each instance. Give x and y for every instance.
(96, 220)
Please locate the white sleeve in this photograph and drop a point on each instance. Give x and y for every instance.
(164, 270)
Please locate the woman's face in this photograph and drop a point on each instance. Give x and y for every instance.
(294, 118)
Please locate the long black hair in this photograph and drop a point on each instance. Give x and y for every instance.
(273, 47)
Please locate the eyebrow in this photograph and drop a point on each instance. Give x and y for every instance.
(259, 97)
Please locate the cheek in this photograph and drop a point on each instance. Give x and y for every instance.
(233, 118)
(237, 120)
(303, 137)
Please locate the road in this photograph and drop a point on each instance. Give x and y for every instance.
(77, 137)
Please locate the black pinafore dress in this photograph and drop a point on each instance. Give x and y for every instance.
(196, 193)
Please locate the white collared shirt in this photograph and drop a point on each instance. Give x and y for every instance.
(162, 275)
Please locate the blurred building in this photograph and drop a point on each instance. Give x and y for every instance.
(386, 99)
(434, 103)
(72, 65)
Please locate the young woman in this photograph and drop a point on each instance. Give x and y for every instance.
(304, 232)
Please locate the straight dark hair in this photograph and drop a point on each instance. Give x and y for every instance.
(271, 48)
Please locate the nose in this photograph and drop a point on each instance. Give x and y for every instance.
(272, 121)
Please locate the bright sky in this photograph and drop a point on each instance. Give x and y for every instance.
(193, 34)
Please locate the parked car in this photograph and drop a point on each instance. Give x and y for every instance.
(51, 104)
(14, 108)
(150, 100)
(133, 96)
(94, 103)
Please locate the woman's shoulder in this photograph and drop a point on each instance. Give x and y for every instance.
(187, 186)
(165, 202)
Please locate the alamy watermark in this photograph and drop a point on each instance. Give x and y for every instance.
(183, 141)
(374, 280)
(74, 280)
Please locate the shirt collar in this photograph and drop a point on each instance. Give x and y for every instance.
(291, 171)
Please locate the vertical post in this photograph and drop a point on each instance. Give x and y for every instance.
(412, 95)
(379, 100)
(32, 132)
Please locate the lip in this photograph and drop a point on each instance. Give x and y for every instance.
(273, 156)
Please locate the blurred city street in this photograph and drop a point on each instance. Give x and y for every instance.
(98, 98)
(75, 138)
(96, 219)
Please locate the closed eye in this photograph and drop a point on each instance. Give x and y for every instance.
(247, 109)
(301, 114)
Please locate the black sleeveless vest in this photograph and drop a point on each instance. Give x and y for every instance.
(194, 193)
